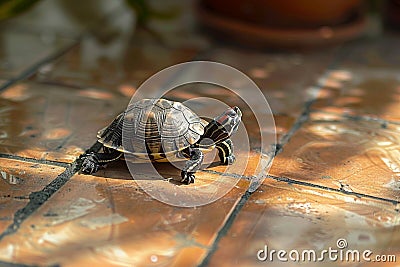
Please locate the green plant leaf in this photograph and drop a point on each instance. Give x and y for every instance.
(10, 8)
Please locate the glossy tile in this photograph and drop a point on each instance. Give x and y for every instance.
(286, 79)
(69, 18)
(108, 220)
(372, 92)
(283, 124)
(342, 163)
(247, 164)
(16, 57)
(18, 180)
(293, 217)
(54, 122)
(119, 64)
(351, 155)
(378, 52)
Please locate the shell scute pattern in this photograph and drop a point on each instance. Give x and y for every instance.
(155, 127)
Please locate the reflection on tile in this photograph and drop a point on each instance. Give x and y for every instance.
(116, 53)
(378, 52)
(180, 30)
(283, 125)
(107, 219)
(247, 164)
(291, 217)
(364, 92)
(352, 155)
(53, 122)
(68, 18)
(284, 78)
(17, 180)
(17, 57)
(118, 64)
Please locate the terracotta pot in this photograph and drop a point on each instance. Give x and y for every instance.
(288, 13)
(284, 23)
(392, 14)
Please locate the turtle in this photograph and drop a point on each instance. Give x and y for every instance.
(160, 130)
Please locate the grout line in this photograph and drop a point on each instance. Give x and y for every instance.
(308, 184)
(225, 228)
(243, 200)
(12, 264)
(233, 175)
(292, 181)
(35, 67)
(33, 160)
(383, 122)
(76, 40)
(304, 116)
(279, 147)
(36, 199)
(238, 207)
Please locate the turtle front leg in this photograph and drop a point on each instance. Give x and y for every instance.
(93, 161)
(192, 165)
(225, 152)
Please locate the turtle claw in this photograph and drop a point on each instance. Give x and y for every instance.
(229, 160)
(187, 177)
(90, 163)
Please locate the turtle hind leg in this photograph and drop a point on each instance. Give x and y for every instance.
(93, 161)
(191, 166)
(225, 152)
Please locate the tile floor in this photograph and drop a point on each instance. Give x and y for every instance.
(336, 176)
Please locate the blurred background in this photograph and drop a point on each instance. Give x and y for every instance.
(104, 30)
(329, 70)
(265, 22)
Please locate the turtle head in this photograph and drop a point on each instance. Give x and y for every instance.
(223, 126)
(230, 120)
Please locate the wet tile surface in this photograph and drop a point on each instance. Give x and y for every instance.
(69, 18)
(351, 155)
(286, 79)
(372, 92)
(375, 53)
(17, 58)
(18, 180)
(107, 219)
(54, 122)
(336, 176)
(120, 64)
(292, 217)
(113, 53)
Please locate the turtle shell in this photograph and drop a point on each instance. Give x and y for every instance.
(153, 128)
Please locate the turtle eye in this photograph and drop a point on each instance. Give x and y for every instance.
(237, 111)
(232, 114)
